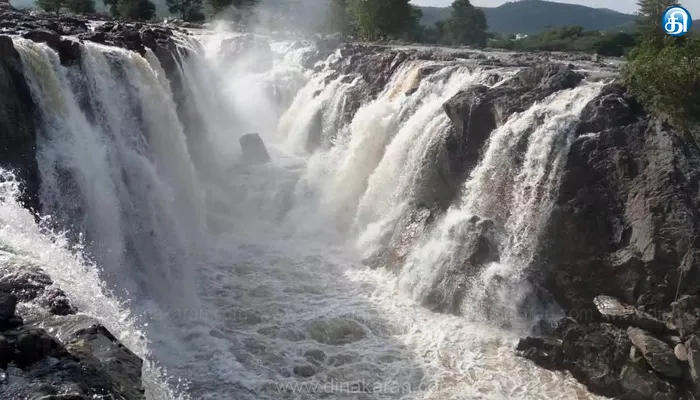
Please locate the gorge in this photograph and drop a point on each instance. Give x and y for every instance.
(426, 218)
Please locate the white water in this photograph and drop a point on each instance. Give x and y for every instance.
(238, 274)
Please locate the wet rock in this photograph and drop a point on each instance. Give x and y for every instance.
(32, 345)
(478, 247)
(337, 332)
(686, 315)
(43, 36)
(657, 353)
(98, 348)
(253, 149)
(56, 301)
(17, 122)
(304, 371)
(8, 304)
(624, 315)
(545, 353)
(24, 280)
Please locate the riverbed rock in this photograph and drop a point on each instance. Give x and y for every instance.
(657, 353)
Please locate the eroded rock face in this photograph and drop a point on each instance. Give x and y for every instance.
(626, 216)
(620, 247)
(17, 124)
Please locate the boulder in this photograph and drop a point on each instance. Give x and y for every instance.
(253, 149)
(658, 354)
(624, 315)
(595, 354)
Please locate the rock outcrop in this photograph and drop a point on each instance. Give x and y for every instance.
(17, 124)
(619, 254)
(86, 362)
(253, 149)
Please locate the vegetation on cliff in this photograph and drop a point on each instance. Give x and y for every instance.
(663, 72)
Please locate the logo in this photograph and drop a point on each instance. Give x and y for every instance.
(676, 21)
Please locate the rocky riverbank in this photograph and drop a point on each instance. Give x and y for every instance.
(49, 350)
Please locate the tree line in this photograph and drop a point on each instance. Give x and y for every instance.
(397, 19)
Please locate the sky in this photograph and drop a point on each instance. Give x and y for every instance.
(626, 6)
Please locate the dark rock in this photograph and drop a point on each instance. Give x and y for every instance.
(639, 383)
(44, 36)
(253, 149)
(24, 280)
(613, 107)
(98, 349)
(657, 353)
(56, 301)
(595, 355)
(32, 345)
(6, 352)
(8, 303)
(545, 353)
(686, 315)
(17, 124)
(625, 219)
(624, 315)
(304, 371)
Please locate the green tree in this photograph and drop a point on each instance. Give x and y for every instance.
(81, 6)
(139, 10)
(467, 24)
(663, 72)
(53, 6)
(188, 10)
(379, 19)
(241, 6)
(649, 21)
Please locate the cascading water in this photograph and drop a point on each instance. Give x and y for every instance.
(247, 279)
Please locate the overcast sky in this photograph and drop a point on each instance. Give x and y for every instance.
(627, 6)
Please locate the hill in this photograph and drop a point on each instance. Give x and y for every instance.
(532, 16)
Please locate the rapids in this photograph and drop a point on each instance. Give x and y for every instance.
(247, 282)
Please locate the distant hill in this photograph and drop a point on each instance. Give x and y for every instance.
(532, 16)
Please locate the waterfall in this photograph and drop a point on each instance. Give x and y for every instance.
(244, 279)
(114, 163)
